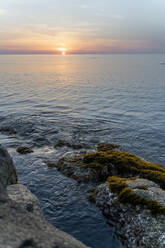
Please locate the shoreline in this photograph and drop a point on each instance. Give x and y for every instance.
(130, 192)
(22, 222)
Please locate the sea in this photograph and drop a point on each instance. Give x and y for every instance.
(81, 99)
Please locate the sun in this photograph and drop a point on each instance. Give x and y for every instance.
(63, 50)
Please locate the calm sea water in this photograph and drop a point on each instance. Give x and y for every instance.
(80, 99)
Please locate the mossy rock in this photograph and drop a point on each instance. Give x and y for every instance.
(115, 163)
(62, 143)
(7, 130)
(24, 150)
(78, 161)
(125, 164)
(144, 193)
(103, 147)
(78, 169)
(51, 164)
(117, 184)
(125, 160)
(92, 194)
(96, 157)
(155, 176)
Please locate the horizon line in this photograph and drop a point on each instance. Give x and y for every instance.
(44, 52)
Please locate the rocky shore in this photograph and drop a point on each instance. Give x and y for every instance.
(129, 190)
(22, 224)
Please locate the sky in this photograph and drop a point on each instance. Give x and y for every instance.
(82, 26)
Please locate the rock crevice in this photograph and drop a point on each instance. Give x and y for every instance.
(130, 192)
(22, 223)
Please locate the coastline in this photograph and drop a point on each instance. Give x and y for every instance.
(131, 200)
(130, 192)
(122, 102)
(21, 219)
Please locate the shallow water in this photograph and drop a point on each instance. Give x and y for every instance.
(80, 99)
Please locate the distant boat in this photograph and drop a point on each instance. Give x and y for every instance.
(162, 63)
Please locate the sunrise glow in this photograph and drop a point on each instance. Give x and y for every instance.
(79, 27)
(63, 50)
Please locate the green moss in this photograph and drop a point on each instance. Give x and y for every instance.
(124, 162)
(117, 184)
(96, 172)
(77, 161)
(62, 143)
(60, 162)
(155, 176)
(24, 150)
(144, 187)
(127, 195)
(16, 175)
(119, 163)
(92, 194)
(127, 161)
(98, 157)
(51, 164)
(103, 147)
(93, 165)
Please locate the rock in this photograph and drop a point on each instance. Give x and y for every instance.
(24, 150)
(62, 143)
(140, 183)
(20, 194)
(132, 195)
(79, 169)
(51, 164)
(8, 173)
(97, 166)
(103, 147)
(3, 195)
(139, 221)
(22, 223)
(8, 130)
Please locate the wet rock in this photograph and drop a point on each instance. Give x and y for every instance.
(8, 130)
(8, 173)
(20, 194)
(99, 165)
(103, 147)
(132, 195)
(51, 164)
(140, 183)
(24, 150)
(22, 223)
(3, 195)
(62, 143)
(77, 168)
(137, 225)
